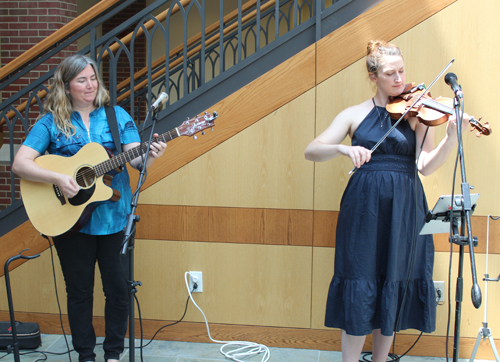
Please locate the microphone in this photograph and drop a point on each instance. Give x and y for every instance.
(451, 80)
(162, 96)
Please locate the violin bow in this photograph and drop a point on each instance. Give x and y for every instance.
(406, 112)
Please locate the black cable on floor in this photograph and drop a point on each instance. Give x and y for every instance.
(169, 325)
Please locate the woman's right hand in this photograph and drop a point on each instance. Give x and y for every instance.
(358, 155)
(67, 185)
(25, 167)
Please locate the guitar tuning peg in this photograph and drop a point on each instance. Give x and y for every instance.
(205, 112)
(195, 137)
(203, 133)
(187, 118)
(212, 129)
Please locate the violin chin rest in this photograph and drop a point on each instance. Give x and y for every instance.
(408, 87)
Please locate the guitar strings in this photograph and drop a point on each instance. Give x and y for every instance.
(118, 160)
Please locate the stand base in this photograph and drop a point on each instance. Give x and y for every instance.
(484, 333)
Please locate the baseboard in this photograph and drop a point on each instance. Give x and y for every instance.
(321, 339)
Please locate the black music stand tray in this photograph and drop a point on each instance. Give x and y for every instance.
(437, 220)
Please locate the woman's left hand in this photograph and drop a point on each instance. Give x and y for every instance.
(157, 148)
(451, 128)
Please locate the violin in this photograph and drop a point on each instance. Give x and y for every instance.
(429, 111)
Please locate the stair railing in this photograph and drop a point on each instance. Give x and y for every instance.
(193, 61)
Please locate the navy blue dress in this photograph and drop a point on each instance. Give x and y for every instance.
(379, 215)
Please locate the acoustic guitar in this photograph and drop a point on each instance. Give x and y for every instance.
(53, 214)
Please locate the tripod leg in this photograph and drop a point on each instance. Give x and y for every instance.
(493, 347)
(476, 346)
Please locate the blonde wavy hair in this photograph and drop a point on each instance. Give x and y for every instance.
(58, 101)
(376, 51)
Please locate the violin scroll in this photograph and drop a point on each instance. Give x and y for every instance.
(429, 111)
(481, 130)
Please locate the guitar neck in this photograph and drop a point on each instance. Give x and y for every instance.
(127, 156)
(188, 128)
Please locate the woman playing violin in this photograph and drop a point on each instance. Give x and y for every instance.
(381, 213)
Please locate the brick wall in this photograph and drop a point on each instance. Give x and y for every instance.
(25, 23)
(22, 25)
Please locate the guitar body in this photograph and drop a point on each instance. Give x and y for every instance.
(52, 213)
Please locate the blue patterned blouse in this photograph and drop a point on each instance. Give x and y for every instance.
(109, 217)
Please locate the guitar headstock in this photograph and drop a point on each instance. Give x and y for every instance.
(199, 123)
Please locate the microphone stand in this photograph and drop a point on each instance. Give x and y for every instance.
(129, 238)
(463, 240)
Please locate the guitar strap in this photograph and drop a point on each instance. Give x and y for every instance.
(113, 126)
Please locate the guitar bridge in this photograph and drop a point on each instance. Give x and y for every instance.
(59, 194)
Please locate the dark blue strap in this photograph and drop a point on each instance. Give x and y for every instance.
(113, 126)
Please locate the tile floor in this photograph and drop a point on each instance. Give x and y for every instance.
(167, 351)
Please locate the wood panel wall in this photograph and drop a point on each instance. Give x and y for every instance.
(242, 204)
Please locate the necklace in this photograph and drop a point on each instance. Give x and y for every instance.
(379, 115)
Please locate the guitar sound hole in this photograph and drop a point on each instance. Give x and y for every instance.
(85, 177)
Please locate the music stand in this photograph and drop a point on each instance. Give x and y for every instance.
(437, 220)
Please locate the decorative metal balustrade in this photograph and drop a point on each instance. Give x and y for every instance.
(181, 47)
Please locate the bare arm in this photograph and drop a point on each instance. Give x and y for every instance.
(328, 144)
(156, 150)
(432, 158)
(25, 167)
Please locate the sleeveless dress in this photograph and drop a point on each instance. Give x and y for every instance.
(382, 208)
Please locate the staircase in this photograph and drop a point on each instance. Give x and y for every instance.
(202, 67)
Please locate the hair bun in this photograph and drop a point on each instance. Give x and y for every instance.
(376, 51)
(374, 45)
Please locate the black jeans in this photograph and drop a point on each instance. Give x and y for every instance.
(78, 254)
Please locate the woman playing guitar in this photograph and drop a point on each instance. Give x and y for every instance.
(74, 116)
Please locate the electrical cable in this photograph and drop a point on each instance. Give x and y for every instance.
(57, 299)
(64, 333)
(141, 182)
(394, 357)
(169, 325)
(141, 328)
(242, 348)
(451, 248)
(412, 251)
(141, 346)
(45, 353)
(448, 325)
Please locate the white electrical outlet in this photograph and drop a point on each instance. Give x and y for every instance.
(439, 286)
(196, 277)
